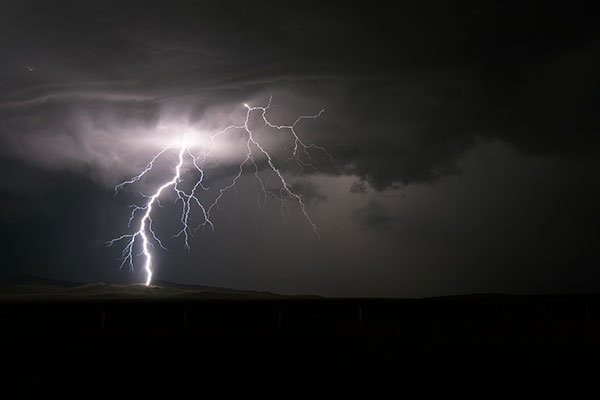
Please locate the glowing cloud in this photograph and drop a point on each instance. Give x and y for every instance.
(184, 139)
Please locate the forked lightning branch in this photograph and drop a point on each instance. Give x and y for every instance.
(145, 235)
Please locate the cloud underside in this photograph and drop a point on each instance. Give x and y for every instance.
(374, 216)
(404, 99)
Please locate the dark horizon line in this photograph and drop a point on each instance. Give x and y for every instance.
(25, 279)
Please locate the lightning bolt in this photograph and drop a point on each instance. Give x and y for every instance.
(301, 154)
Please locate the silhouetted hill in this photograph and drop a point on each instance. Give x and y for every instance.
(32, 288)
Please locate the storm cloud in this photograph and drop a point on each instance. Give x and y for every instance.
(403, 98)
(375, 216)
(89, 91)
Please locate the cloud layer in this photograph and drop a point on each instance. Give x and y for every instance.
(405, 96)
(465, 140)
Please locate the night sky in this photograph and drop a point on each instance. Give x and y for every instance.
(464, 137)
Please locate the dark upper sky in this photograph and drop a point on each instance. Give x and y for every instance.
(465, 140)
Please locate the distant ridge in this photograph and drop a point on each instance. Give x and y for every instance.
(26, 279)
(33, 288)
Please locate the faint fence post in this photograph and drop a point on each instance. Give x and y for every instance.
(103, 318)
(279, 317)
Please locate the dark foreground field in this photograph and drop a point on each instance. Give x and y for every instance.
(486, 346)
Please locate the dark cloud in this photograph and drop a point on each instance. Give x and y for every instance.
(406, 94)
(358, 187)
(375, 216)
(409, 90)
